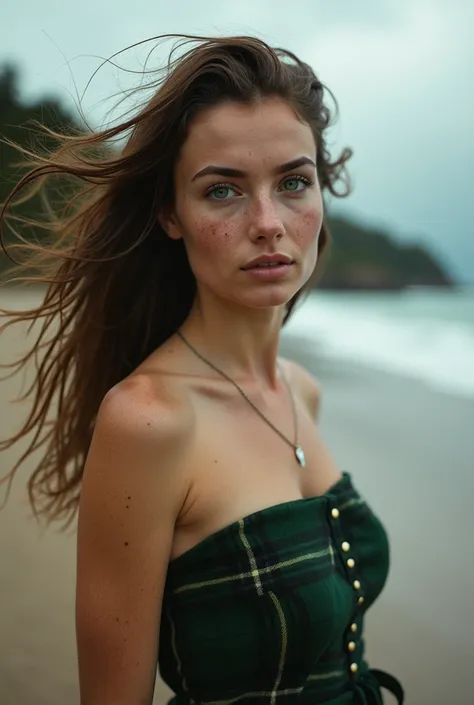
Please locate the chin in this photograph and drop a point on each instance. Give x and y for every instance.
(272, 297)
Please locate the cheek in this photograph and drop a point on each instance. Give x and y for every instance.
(308, 226)
(204, 236)
(209, 235)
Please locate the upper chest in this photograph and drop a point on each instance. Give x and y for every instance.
(238, 462)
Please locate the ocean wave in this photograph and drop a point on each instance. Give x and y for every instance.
(439, 352)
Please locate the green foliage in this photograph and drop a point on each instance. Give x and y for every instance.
(367, 259)
(360, 258)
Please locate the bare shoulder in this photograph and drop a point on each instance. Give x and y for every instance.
(132, 492)
(140, 425)
(144, 409)
(305, 384)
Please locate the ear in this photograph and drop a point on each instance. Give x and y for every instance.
(170, 224)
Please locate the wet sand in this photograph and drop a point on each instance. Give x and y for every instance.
(411, 453)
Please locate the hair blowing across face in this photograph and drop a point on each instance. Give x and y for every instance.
(116, 286)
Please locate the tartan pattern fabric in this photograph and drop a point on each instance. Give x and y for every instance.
(271, 608)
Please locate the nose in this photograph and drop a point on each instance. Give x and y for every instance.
(265, 222)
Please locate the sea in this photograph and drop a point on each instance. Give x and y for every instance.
(426, 334)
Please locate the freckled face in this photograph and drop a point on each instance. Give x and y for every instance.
(237, 197)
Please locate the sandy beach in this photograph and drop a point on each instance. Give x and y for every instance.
(410, 451)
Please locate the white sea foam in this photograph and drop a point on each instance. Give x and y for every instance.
(399, 334)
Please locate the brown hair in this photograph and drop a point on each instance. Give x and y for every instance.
(117, 287)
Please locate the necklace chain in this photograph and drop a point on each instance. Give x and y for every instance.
(295, 445)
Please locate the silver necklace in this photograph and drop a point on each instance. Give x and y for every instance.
(297, 449)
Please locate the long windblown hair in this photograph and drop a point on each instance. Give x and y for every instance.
(116, 286)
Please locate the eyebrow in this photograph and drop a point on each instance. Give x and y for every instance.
(238, 173)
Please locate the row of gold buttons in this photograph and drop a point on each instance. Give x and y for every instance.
(351, 564)
(346, 547)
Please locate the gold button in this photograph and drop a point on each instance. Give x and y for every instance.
(360, 600)
(346, 546)
(354, 667)
(356, 585)
(353, 627)
(351, 646)
(335, 513)
(351, 563)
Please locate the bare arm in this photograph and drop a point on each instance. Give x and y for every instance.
(131, 496)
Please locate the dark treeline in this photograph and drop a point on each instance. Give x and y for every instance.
(360, 258)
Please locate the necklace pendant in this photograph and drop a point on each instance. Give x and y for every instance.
(300, 457)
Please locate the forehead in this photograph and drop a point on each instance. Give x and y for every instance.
(234, 134)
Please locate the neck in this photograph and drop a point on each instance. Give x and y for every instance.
(242, 342)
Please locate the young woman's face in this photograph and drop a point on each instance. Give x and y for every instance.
(246, 187)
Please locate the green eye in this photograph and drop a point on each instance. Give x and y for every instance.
(221, 192)
(292, 184)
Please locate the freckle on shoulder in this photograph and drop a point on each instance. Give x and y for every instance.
(141, 405)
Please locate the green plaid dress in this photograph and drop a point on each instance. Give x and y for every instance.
(270, 610)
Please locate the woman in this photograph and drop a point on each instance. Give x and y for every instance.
(216, 536)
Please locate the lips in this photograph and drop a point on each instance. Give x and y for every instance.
(267, 264)
(269, 261)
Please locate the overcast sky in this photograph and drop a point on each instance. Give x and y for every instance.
(402, 72)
